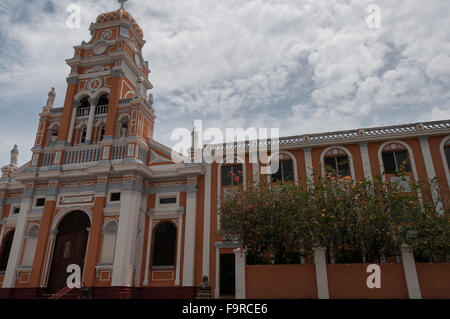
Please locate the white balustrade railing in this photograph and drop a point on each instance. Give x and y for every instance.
(101, 109)
(82, 155)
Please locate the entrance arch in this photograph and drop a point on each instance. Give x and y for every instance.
(70, 248)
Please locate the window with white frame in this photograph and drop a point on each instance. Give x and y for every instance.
(285, 169)
(337, 162)
(447, 153)
(395, 158)
(231, 174)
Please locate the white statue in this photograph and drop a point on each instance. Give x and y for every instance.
(51, 98)
(14, 155)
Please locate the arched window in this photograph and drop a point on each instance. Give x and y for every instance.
(83, 109)
(53, 134)
(165, 245)
(285, 169)
(101, 132)
(447, 153)
(336, 162)
(395, 158)
(103, 100)
(6, 248)
(83, 132)
(123, 127)
(231, 174)
(102, 104)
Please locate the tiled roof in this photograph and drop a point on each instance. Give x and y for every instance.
(116, 15)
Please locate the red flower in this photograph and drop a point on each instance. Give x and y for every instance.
(236, 179)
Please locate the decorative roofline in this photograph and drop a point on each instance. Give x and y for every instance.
(349, 136)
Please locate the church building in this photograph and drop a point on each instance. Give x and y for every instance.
(101, 193)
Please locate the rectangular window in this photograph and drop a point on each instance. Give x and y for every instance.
(115, 197)
(16, 210)
(394, 161)
(231, 175)
(40, 202)
(168, 200)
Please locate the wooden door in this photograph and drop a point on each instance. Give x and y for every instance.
(70, 248)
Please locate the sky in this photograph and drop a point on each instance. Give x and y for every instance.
(303, 66)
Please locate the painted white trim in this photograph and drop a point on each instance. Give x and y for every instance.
(308, 165)
(294, 165)
(409, 268)
(58, 218)
(444, 159)
(429, 166)
(365, 158)
(189, 239)
(147, 257)
(206, 222)
(217, 280)
(179, 236)
(17, 244)
(343, 148)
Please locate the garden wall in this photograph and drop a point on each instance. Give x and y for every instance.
(434, 280)
(344, 281)
(280, 281)
(349, 281)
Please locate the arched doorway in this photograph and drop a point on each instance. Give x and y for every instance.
(164, 248)
(70, 248)
(6, 249)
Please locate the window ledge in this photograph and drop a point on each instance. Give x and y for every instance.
(163, 267)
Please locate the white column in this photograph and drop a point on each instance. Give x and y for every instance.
(217, 281)
(365, 161)
(123, 266)
(140, 242)
(19, 234)
(309, 165)
(90, 126)
(147, 256)
(321, 273)
(431, 174)
(180, 231)
(239, 264)
(72, 122)
(189, 235)
(207, 222)
(409, 267)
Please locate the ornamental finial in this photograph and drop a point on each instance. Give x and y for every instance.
(122, 3)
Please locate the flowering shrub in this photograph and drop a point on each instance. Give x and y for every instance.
(357, 221)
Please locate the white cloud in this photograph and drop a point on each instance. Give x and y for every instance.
(304, 66)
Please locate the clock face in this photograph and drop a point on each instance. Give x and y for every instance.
(138, 59)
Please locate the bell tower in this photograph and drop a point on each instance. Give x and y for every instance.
(106, 98)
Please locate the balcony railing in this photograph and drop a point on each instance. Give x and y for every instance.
(57, 110)
(385, 131)
(83, 111)
(101, 109)
(82, 156)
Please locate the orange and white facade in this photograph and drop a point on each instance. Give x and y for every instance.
(150, 224)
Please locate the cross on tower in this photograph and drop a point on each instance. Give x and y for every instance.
(122, 2)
